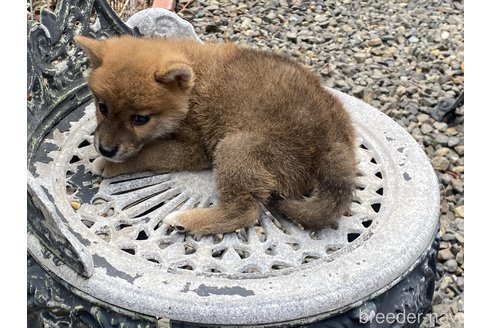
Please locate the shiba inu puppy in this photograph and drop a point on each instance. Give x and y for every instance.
(267, 127)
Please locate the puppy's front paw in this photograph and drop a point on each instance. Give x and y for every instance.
(173, 220)
(97, 167)
(104, 168)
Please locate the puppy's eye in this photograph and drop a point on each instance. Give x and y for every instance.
(103, 108)
(140, 119)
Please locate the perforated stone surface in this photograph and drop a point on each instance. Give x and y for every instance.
(126, 212)
(273, 271)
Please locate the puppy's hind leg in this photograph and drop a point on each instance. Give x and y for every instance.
(222, 219)
(243, 183)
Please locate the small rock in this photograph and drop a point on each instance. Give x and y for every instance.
(454, 158)
(460, 222)
(400, 29)
(358, 91)
(440, 268)
(436, 52)
(453, 141)
(360, 57)
(458, 185)
(341, 83)
(460, 283)
(445, 254)
(447, 237)
(445, 35)
(376, 52)
(460, 149)
(446, 178)
(424, 118)
(460, 211)
(413, 39)
(441, 139)
(271, 16)
(440, 126)
(389, 53)
(451, 131)
(246, 23)
(442, 151)
(212, 7)
(426, 128)
(445, 282)
(375, 42)
(401, 90)
(291, 36)
(440, 163)
(451, 265)
(458, 169)
(322, 20)
(460, 258)
(459, 238)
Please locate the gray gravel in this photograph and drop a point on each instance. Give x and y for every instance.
(399, 57)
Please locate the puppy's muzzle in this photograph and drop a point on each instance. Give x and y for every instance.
(108, 151)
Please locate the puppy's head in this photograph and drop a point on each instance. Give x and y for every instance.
(141, 90)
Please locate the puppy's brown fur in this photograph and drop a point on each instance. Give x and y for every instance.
(264, 123)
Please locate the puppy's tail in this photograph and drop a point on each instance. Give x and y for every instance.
(322, 208)
(331, 197)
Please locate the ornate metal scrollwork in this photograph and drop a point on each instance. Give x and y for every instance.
(46, 223)
(404, 305)
(50, 304)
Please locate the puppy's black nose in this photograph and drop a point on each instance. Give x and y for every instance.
(108, 151)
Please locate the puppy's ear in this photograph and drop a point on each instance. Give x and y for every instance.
(178, 74)
(93, 48)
